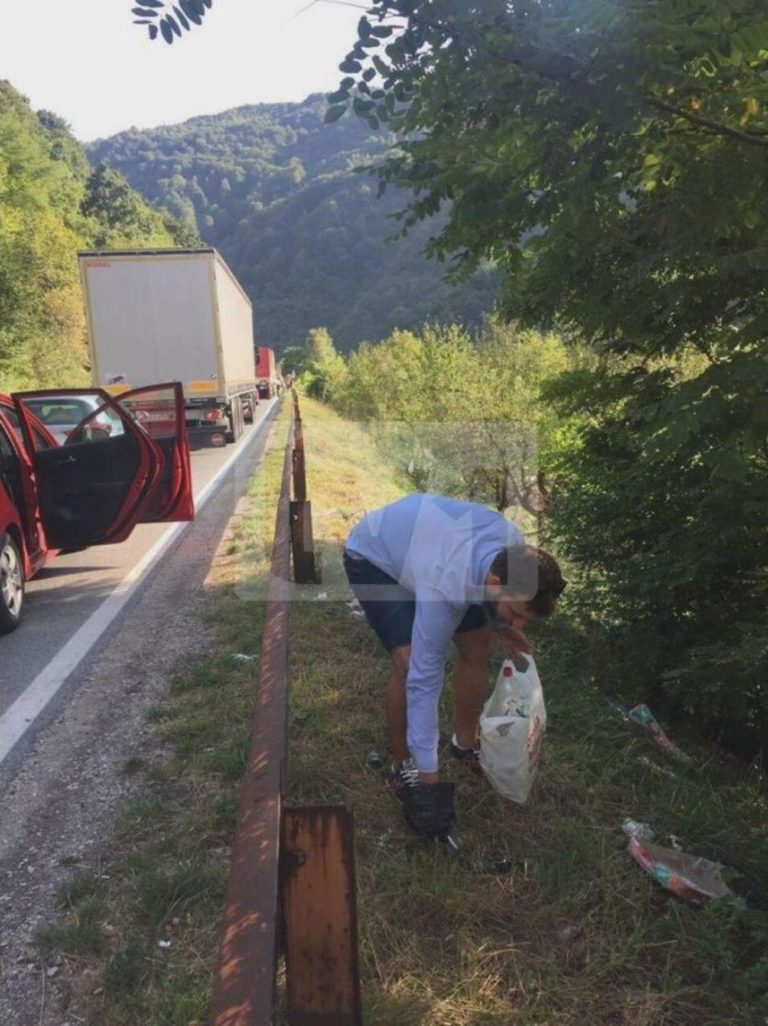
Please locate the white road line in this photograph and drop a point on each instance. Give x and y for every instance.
(20, 716)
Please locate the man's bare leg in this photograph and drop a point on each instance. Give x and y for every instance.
(396, 705)
(397, 720)
(474, 649)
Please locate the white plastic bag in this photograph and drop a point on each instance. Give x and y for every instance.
(512, 728)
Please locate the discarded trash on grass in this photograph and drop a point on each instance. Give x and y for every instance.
(321, 597)
(640, 831)
(355, 608)
(163, 944)
(241, 657)
(374, 760)
(382, 841)
(690, 877)
(643, 717)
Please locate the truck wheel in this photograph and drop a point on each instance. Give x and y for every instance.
(11, 585)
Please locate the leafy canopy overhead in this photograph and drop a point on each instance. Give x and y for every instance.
(167, 19)
(611, 157)
(572, 138)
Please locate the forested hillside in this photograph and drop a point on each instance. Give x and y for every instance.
(52, 203)
(276, 191)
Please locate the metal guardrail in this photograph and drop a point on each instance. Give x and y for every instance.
(292, 875)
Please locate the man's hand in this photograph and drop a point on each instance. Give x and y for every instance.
(514, 642)
(429, 808)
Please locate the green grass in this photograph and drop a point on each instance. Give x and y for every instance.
(576, 933)
(81, 933)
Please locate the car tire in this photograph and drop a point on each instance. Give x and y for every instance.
(11, 584)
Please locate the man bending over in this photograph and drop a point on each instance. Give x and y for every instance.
(428, 570)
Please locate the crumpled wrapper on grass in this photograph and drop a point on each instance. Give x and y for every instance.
(643, 717)
(690, 877)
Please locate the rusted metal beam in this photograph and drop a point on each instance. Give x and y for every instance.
(303, 544)
(245, 983)
(299, 464)
(320, 917)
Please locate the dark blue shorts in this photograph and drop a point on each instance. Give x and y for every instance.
(390, 608)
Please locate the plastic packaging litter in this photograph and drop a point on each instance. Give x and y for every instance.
(640, 831)
(690, 877)
(374, 760)
(512, 728)
(643, 717)
(241, 657)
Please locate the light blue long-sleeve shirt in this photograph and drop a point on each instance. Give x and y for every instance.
(441, 550)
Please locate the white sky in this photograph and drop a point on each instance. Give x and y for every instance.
(87, 62)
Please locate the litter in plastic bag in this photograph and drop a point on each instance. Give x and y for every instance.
(690, 877)
(241, 657)
(643, 717)
(512, 728)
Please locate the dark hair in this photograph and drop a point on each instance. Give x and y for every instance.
(530, 574)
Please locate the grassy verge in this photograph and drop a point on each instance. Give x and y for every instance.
(575, 933)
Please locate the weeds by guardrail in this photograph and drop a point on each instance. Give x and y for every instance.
(292, 879)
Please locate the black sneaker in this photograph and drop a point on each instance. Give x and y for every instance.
(468, 757)
(401, 776)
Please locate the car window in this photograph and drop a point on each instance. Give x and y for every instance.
(10, 414)
(59, 412)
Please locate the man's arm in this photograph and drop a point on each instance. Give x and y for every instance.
(433, 627)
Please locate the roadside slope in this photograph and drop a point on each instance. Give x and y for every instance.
(574, 933)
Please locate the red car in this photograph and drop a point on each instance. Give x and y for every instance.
(127, 463)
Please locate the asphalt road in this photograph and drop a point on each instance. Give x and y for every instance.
(68, 601)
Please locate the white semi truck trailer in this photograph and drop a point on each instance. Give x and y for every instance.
(173, 315)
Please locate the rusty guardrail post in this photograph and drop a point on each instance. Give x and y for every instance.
(320, 917)
(305, 570)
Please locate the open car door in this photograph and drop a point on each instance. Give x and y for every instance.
(91, 490)
(159, 410)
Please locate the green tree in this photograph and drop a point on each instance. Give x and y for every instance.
(50, 208)
(325, 368)
(609, 158)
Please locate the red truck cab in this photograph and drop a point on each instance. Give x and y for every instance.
(266, 375)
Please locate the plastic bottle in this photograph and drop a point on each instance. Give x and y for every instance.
(504, 694)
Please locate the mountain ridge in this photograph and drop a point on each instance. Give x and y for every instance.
(278, 193)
